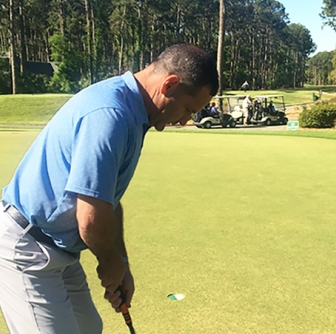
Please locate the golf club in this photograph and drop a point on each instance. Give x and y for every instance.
(124, 310)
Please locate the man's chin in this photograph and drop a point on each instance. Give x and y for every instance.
(159, 127)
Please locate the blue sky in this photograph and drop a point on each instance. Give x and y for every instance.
(307, 12)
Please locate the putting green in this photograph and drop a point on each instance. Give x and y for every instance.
(243, 226)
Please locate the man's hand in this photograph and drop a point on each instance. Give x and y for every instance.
(127, 286)
(111, 273)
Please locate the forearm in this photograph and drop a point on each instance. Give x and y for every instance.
(98, 227)
(119, 214)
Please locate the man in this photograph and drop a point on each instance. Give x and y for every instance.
(246, 104)
(213, 109)
(271, 108)
(65, 194)
(245, 86)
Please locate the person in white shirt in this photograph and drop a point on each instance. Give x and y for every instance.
(246, 104)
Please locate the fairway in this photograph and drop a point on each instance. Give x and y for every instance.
(242, 225)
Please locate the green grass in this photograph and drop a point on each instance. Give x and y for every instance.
(312, 133)
(30, 109)
(38, 109)
(243, 225)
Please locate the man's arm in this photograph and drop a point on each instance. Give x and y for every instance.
(119, 213)
(128, 282)
(101, 230)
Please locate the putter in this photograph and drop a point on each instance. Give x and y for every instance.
(124, 310)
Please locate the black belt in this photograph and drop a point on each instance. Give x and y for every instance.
(34, 231)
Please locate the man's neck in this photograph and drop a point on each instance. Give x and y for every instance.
(148, 83)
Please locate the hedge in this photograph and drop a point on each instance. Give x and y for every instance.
(321, 116)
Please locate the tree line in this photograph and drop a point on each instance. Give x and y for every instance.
(90, 40)
(322, 66)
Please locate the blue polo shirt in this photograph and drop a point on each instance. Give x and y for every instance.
(90, 147)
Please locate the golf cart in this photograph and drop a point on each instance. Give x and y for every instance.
(233, 106)
(206, 120)
(269, 110)
(232, 115)
(215, 120)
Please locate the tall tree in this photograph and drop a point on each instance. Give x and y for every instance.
(22, 52)
(104, 37)
(12, 48)
(89, 27)
(4, 26)
(301, 45)
(320, 69)
(328, 13)
(220, 50)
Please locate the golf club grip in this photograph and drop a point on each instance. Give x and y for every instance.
(124, 309)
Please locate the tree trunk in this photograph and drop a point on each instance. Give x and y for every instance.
(295, 71)
(93, 35)
(265, 63)
(3, 40)
(152, 39)
(89, 38)
(12, 56)
(121, 51)
(220, 51)
(253, 65)
(234, 60)
(144, 37)
(23, 55)
(61, 16)
(140, 38)
(47, 47)
(178, 23)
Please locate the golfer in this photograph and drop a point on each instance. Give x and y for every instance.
(65, 194)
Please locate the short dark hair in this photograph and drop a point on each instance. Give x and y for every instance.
(193, 65)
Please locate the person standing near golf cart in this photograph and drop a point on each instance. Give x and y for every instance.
(247, 102)
(65, 194)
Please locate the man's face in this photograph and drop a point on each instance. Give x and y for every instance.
(180, 106)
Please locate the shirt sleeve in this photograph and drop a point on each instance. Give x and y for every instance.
(99, 147)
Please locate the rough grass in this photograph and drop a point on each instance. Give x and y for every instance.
(243, 225)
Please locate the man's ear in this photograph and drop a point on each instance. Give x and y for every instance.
(169, 84)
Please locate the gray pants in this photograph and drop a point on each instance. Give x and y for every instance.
(43, 290)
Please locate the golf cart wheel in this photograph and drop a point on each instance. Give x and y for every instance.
(232, 124)
(283, 121)
(268, 122)
(207, 125)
